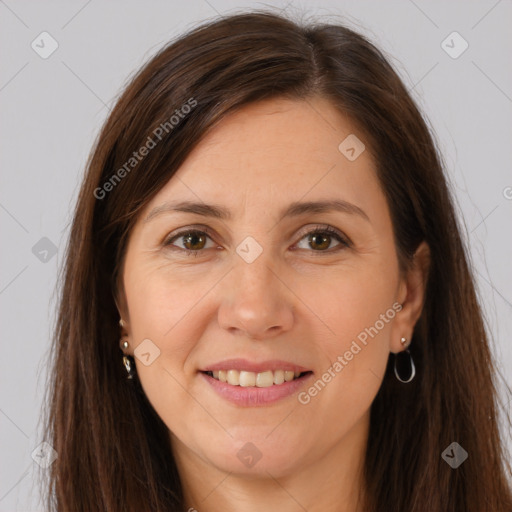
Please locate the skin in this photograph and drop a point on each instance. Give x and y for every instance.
(304, 305)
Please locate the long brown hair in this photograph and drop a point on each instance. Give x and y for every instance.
(113, 449)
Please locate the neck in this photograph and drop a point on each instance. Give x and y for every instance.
(333, 482)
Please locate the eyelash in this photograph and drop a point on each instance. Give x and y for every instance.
(330, 231)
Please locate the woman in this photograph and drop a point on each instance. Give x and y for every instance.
(323, 349)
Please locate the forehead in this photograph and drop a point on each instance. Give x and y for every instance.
(273, 152)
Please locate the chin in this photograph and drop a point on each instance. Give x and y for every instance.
(256, 454)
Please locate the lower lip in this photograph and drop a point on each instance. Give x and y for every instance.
(253, 396)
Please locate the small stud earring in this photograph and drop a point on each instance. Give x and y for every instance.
(124, 344)
(121, 323)
(403, 341)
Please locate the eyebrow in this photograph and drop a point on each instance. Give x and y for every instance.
(293, 210)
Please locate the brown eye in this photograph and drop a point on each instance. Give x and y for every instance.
(192, 241)
(320, 239)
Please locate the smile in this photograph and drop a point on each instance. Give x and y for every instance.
(247, 383)
(248, 379)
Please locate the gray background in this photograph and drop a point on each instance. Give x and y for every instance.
(52, 109)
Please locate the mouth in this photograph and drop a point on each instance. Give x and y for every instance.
(249, 379)
(250, 384)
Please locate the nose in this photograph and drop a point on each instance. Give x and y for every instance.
(256, 301)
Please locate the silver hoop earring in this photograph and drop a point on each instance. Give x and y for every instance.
(128, 365)
(406, 355)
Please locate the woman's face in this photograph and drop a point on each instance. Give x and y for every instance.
(261, 297)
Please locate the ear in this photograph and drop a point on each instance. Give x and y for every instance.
(411, 295)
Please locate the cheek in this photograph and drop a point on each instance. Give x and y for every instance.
(159, 303)
(165, 310)
(350, 301)
(357, 310)
(162, 309)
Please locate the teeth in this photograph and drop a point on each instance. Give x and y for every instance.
(252, 379)
(247, 379)
(264, 379)
(278, 377)
(234, 377)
